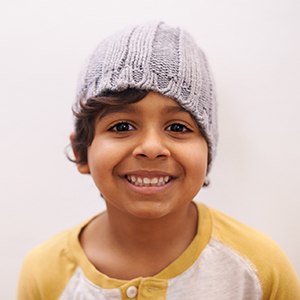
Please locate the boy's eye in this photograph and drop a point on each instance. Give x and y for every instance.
(177, 127)
(122, 126)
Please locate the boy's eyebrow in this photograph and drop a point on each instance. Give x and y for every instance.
(118, 108)
(174, 109)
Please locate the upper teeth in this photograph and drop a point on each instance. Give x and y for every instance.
(146, 181)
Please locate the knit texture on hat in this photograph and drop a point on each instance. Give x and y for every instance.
(158, 58)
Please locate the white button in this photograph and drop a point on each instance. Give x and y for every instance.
(131, 292)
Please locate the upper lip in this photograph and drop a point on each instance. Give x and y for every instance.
(149, 173)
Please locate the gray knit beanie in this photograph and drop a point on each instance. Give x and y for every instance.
(158, 58)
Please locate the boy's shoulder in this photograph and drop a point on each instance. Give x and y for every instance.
(241, 237)
(260, 252)
(238, 235)
(54, 248)
(49, 266)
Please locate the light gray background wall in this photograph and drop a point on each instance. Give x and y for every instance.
(254, 50)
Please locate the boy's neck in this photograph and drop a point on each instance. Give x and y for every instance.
(152, 231)
(148, 245)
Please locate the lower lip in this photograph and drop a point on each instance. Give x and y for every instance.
(148, 190)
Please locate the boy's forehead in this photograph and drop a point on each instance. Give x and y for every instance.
(166, 106)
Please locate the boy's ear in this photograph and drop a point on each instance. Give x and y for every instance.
(82, 168)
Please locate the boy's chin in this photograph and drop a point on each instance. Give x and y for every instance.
(149, 214)
(152, 211)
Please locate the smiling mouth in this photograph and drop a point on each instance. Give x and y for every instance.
(146, 181)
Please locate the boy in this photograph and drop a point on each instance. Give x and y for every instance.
(146, 131)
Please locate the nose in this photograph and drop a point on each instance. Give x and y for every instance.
(151, 145)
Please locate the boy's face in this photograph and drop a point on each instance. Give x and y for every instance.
(148, 159)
